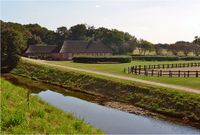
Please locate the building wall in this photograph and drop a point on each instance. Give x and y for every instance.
(69, 56)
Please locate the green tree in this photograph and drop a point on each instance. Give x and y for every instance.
(196, 40)
(62, 31)
(62, 34)
(34, 40)
(90, 32)
(23, 33)
(195, 49)
(160, 47)
(78, 32)
(182, 46)
(10, 43)
(144, 46)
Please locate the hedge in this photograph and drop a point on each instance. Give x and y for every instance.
(164, 58)
(105, 59)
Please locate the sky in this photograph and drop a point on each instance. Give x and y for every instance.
(158, 21)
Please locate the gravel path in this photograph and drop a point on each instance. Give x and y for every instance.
(118, 76)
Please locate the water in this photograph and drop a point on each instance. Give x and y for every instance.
(113, 121)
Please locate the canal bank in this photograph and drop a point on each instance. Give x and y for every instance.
(160, 101)
(22, 113)
(112, 121)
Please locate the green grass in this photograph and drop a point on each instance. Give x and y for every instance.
(17, 117)
(119, 69)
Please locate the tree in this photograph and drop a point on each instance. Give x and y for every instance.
(62, 34)
(23, 33)
(37, 30)
(160, 47)
(77, 32)
(195, 49)
(196, 40)
(62, 31)
(174, 49)
(129, 46)
(90, 32)
(34, 40)
(10, 43)
(144, 46)
(184, 47)
(52, 38)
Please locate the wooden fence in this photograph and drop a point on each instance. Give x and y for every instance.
(156, 70)
(165, 66)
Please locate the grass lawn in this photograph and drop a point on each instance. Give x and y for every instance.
(17, 117)
(119, 69)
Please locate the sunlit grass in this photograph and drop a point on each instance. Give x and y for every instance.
(119, 69)
(22, 115)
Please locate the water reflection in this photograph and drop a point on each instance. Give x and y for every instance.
(111, 120)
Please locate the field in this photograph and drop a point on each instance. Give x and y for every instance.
(119, 69)
(24, 114)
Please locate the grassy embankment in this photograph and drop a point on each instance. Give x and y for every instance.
(174, 103)
(119, 69)
(18, 115)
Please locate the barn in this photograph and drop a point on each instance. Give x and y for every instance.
(68, 50)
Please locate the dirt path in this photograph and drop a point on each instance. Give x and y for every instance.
(118, 76)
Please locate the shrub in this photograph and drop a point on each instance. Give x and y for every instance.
(190, 58)
(102, 59)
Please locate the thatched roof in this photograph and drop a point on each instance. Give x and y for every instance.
(39, 48)
(75, 46)
(70, 46)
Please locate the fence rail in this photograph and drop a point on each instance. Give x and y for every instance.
(156, 70)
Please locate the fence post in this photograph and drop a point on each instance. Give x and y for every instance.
(152, 72)
(131, 69)
(128, 70)
(160, 72)
(179, 73)
(170, 73)
(145, 72)
(139, 69)
(196, 73)
(136, 70)
(188, 75)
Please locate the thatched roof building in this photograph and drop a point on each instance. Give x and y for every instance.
(68, 50)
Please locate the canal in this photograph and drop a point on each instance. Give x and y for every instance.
(111, 121)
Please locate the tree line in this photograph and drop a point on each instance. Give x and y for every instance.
(15, 38)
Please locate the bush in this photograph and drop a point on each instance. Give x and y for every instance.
(164, 58)
(190, 58)
(102, 59)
